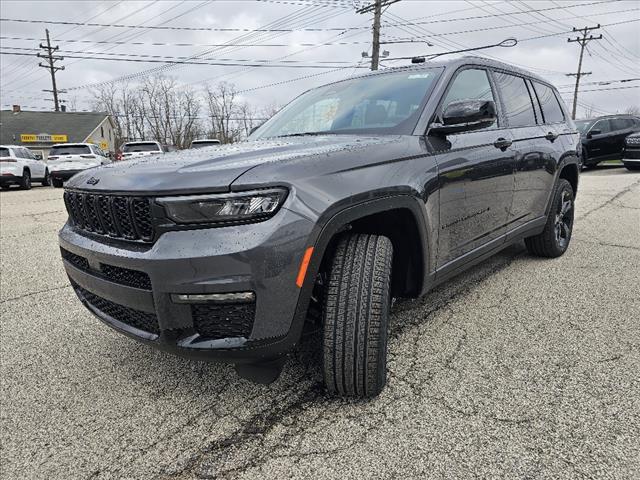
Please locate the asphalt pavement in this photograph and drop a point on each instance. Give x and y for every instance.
(518, 368)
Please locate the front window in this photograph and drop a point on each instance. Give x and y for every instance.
(69, 150)
(386, 103)
(140, 147)
(583, 125)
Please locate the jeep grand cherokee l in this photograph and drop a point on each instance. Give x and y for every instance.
(362, 190)
(603, 138)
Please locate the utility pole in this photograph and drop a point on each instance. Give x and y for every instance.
(376, 7)
(51, 59)
(583, 43)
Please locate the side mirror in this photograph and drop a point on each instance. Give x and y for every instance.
(465, 116)
(593, 131)
(108, 154)
(38, 156)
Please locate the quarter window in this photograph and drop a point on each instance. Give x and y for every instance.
(516, 100)
(551, 109)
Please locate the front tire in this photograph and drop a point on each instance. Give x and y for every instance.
(25, 181)
(554, 239)
(56, 182)
(632, 167)
(356, 316)
(46, 181)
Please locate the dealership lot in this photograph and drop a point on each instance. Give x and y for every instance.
(518, 368)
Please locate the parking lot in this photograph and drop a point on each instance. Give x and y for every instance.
(519, 368)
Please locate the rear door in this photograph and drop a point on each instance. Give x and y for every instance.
(621, 127)
(475, 175)
(601, 143)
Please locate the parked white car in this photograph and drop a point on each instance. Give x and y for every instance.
(141, 149)
(204, 142)
(19, 166)
(67, 159)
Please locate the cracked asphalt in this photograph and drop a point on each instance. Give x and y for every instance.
(518, 368)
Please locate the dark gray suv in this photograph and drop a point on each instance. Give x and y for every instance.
(359, 191)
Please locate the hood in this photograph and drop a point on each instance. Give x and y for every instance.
(211, 169)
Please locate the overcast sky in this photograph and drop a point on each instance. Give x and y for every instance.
(446, 25)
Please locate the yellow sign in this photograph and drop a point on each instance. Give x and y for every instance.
(104, 145)
(42, 137)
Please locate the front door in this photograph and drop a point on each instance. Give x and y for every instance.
(475, 176)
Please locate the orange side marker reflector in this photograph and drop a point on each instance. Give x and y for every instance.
(303, 266)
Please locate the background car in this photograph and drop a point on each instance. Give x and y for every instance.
(631, 154)
(603, 137)
(67, 159)
(205, 142)
(142, 148)
(19, 166)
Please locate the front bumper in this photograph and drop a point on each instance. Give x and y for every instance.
(63, 174)
(262, 258)
(631, 155)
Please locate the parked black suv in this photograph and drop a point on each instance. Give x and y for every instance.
(362, 190)
(603, 137)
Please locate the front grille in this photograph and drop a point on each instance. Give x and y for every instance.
(221, 320)
(127, 218)
(145, 321)
(126, 276)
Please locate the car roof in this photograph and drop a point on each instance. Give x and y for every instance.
(613, 115)
(13, 146)
(454, 64)
(205, 140)
(141, 141)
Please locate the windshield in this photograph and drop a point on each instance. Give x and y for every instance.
(583, 125)
(140, 147)
(4, 152)
(204, 143)
(388, 103)
(69, 150)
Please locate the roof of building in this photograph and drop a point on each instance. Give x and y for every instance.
(76, 125)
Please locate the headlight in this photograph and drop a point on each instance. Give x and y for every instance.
(224, 208)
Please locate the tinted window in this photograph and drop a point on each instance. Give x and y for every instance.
(549, 103)
(470, 84)
(69, 150)
(204, 143)
(603, 125)
(141, 147)
(386, 103)
(4, 152)
(621, 123)
(583, 125)
(516, 100)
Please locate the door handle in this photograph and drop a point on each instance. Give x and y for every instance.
(502, 143)
(551, 136)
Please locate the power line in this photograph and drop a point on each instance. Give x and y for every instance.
(250, 63)
(217, 29)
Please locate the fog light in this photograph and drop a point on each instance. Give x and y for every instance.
(238, 297)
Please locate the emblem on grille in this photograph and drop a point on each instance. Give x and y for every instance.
(93, 181)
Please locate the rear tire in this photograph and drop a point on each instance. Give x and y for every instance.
(356, 316)
(56, 182)
(554, 239)
(25, 181)
(634, 168)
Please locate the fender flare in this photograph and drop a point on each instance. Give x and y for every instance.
(570, 159)
(325, 231)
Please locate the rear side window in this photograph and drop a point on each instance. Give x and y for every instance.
(4, 152)
(621, 123)
(551, 110)
(516, 100)
(141, 147)
(69, 150)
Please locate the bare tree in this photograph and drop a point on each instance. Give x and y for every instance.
(223, 112)
(633, 110)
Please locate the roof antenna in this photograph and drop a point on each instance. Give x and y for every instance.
(508, 42)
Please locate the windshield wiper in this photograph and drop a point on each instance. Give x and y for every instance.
(304, 134)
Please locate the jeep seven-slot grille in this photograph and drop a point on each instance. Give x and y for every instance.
(127, 218)
(223, 320)
(145, 321)
(120, 275)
